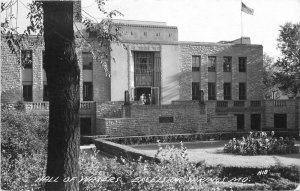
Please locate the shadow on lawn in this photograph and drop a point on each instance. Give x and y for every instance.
(294, 156)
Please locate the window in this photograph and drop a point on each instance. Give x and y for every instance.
(227, 91)
(242, 64)
(280, 121)
(144, 68)
(212, 60)
(242, 91)
(211, 91)
(45, 93)
(87, 61)
(26, 58)
(227, 63)
(195, 90)
(87, 91)
(240, 119)
(196, 60)
(27, 92)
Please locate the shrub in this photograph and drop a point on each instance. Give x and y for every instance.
(174, 138)
(23, 149)
(170, 174)
(260, 143)
(20, 106)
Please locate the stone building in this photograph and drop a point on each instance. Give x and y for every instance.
(173, 74)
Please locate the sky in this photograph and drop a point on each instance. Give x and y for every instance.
(203, 20)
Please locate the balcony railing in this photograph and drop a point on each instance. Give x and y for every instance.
(87, 105)
(279, 103)
(238, 103)
(255, 103)
(222, 104)
(36, 105)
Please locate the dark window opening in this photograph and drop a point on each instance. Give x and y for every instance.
(87, 61)
(26, 58)
(196, 61)
(27, 92)
(87, 91)
(166, 119)
(240, 120)
(212, 61)
(242, 91)
(227, 63)
(242, 64)
(280, 121)
(45, 93)
(255, 122)
(227, 91)
(211, 91)
(85, 126)
(139, 91)
(196, 91)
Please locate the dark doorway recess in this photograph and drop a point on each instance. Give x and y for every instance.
(141, 90)
(85, 126)
(240, 121)
(255, 122)
(280, 121)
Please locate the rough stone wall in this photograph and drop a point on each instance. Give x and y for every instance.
(12, 72)
(101, 78)
(281, 107)
(253, 53)
(11, 83)
(110, 109)
(220, 123)
(144, 120)
(37, 72)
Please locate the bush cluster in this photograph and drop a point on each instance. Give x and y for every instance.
(175, 138)
(23, 149)
(260, 143)
(172, 173)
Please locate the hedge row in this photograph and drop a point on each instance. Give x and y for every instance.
(132, 140)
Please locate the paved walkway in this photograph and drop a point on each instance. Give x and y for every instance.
(212, 153)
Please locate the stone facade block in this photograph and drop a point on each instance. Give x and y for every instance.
(254, 68)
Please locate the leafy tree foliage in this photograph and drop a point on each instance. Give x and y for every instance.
(288, 74)
(55, 21)
(23, 149)
(270, 87)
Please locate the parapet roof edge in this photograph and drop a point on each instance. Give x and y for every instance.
(146, 26)
(214, 43)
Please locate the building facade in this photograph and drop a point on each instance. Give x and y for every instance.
(174, 75)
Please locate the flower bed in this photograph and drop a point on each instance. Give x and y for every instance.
(260, 143)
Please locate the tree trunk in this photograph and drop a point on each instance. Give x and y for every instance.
(62, 73)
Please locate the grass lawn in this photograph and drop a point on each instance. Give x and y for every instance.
(212, 153)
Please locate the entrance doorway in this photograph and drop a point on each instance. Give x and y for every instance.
(240, 119)
(85, 126)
